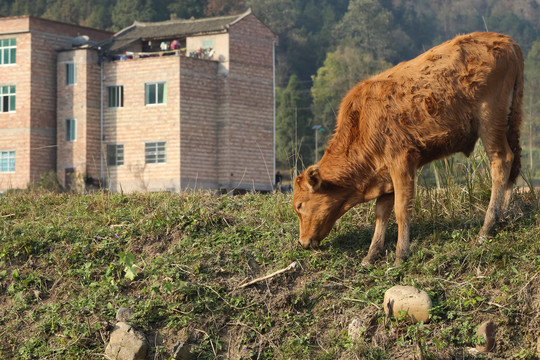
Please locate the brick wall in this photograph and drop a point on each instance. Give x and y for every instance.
(251, 103)
(69, 30)
(81, 103)
(135, 124)
(31, 130)
(200, 123)
(93, 113)
(44, 47)
(14, 127)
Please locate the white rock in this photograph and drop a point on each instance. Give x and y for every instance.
(407, 298)
(126, 343)
(356, 328)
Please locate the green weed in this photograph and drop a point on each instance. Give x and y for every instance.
(68, 261)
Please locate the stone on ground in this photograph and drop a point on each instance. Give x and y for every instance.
(126, 343)
(409, 299)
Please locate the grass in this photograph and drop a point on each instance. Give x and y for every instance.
(68, 262)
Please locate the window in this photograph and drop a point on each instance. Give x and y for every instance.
(8, 51)
(7, 98)
(71, 130)
(115, 154)
(7, 161)
(116, 96)
(156, 93)
(71, 74)
(155, 152)
(208, 44)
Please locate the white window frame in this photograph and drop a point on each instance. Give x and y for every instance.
(115, 96)
(7, 158)
(8, 51)
(155, 100)
(71, 130)
(8, 94)
(116, 159)
(155, 152)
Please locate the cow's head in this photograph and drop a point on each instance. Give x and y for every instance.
(318, 205)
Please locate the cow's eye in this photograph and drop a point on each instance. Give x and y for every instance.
(299, 206)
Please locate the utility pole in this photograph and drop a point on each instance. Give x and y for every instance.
(295, 150)
(317, 128)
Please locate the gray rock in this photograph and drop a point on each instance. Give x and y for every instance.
(409, 299)
(487, 331)
(126, 343)
(181, 351)
(124, 314)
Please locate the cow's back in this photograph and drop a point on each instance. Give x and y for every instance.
(429, 103)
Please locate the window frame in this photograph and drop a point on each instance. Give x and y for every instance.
(154, 99)
(71, 73)
(155, 152)
(118, 158)
(8, 94)
(8, 48)
(7, 156)
(115, 96)
(71, 130)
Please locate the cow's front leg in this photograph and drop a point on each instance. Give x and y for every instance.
(383, 209)
(404, 194)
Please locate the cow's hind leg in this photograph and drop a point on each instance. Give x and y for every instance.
(501, 158)
(383, 209)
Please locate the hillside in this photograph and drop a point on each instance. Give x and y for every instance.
(326, 46)
(68, 262)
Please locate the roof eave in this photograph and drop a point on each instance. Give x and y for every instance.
(149, 38)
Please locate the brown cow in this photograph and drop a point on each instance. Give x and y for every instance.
(424, 109)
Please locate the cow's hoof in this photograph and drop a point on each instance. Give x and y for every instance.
(481, 238)
(399, 261)
(367, 262)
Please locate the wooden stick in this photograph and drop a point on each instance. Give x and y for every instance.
(362, 301)
(293, 266)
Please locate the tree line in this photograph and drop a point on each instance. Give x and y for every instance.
(326, 46)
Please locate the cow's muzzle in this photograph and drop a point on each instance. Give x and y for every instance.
(309, 243)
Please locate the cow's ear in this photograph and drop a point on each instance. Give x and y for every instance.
(314, 178)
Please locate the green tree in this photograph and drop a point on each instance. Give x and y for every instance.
(185, 9)
(99, 17)
(224, 7)
(531, 104)
(125, 12)
(342, 69)
(305, 35)
(367, 26)
(415, 27)
(69, 11)
(28, 7)
(293, 131)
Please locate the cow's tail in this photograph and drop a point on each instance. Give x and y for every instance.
(515, 115)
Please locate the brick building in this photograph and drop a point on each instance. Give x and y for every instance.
(28, 54)
(181, 104)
